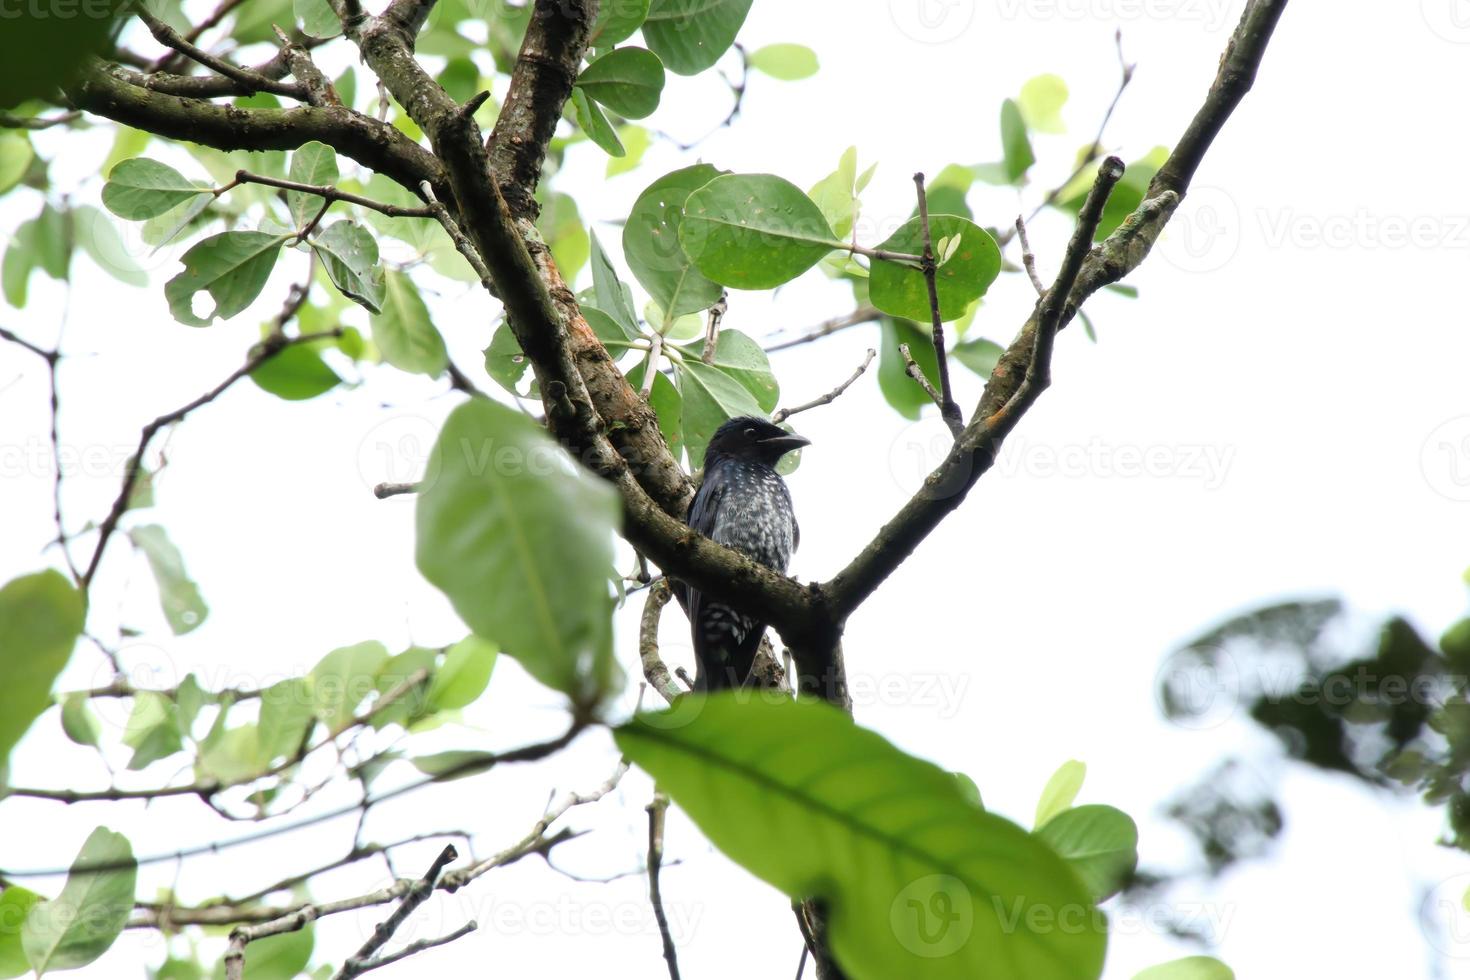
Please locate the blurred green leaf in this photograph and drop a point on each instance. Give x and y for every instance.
(141, 188)
(403, 331)
(343, 679)
(635, 141)
(79, 925)
(1060, 790)
(900, 390)
(96, 234)
(979, 355)
(41, 616)
(295, 374)
(617, 20)
(1041, 102)
(80, 724)
(153, 731)
(788, 62)
(1188, 968)
(1015, 142)
(595, 125)
(709, 397)
(463, 675)
(1100, 842)
(15, 905)
(15, 157)
(183, 606)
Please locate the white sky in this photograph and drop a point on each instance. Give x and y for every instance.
(1295, 367)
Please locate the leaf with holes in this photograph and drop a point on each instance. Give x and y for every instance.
(816, 806)
(690, 35)
(232, 266)
(754, 231)
(899, 288)
(652, 248)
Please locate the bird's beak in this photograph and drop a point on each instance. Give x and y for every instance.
(787, 442)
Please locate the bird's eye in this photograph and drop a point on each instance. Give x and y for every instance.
(750, 433)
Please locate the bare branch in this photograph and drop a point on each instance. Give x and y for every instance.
(948, 409)
(1028, 257)
(829, 397)
(912, 369)
(244, 77)
(362, 961)
(8, 121)
(656, 811)
(654, 668)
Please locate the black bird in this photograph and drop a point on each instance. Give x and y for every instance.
(743, 504)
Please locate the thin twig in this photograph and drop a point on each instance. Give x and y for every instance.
(456, 234)
(712, 328)
(9, 121)
(863, 314)
(263, 352)
(417, 946)
(385, 490)
(1028, 257)
(656, 811)
(171, 38)
(360, 961)
(913, 370)
(654, 668)
(327, 191)
(829, 397)
(948, 408)
(651, 363)
(52, 359)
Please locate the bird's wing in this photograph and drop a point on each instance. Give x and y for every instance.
(702, 512)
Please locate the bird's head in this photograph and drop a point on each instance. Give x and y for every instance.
(753, 439)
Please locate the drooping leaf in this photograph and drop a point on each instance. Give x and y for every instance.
(709, 397)
(666, 403)
(183, 606)
(504, 361)
(403, 331)
(41, 616)
(1100, 842)
(918, 882)
(153, 730)
(98, 237)
(754, 231)
(142, 188)
(629, 81)
(744, 360)
(232, 266)
(519, 537)
(690, 35)
(1060, 790)
(80, 723)
(287, 711)
(349, 253)
(788, 62)
(899, 288)
(77, 926)
(836, 194)
(562, 226)
(1015, 142)
(595, 124)
(159, 231)
(979, 355)
(900, 390)
(612, 294)
(315, 164)
(52, 240)
(651, 243)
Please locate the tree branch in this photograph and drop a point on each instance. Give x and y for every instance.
(656, 811)
(948, 409)
(829, 397)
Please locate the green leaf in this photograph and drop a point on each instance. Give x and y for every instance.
(900, 390)
(617, 20)
(349, 253)
(836, 194)
(754, 231)
(788, 62)
(20, 259)
(561, 225)
(968, 789)
(153, 731)
(744, 360)
(519, 537)
(635, 141)
(233, 266)
(1041, 102)
(463, 675)
(504, 361)
(41, 616)
(667, 405)
(316, 164)
(979, 355)
(183, 606)
(15, 905)
(1188, 968)
(592, 121)
(918, 881)
(79, 925)
(652, 248)
(282, 957)
(163, 229)
(403, 331)
(900, 289)
(461, 762)
(628, 81)
(343, 678)
(53, 242)
(287, 710)
(1060, 791)
(15, 157)
(1015, 142)
(1100, 842)
(316, 18)
(690, 35)
(460, 79)
(612, 294)
(95, 233)
(79, 722)
(141, 188)
(295, 374)
(709, 397)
